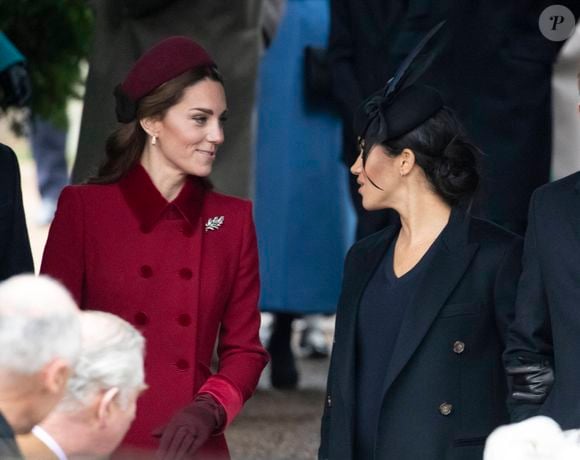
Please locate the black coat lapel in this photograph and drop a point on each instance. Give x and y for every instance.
(361, 265)
(449, 263)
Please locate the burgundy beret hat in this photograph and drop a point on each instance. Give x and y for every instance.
(163, 62)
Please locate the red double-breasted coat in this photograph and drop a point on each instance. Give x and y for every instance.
(183, 272)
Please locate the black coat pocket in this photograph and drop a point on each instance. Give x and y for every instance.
(460, 309)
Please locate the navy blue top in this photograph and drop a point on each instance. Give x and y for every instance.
(380, 314)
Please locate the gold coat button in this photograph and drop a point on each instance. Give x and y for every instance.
(328, 401)
(458, 347)
(445, 408)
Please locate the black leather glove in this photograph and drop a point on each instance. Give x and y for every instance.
(16, 88)
(531, 380)
(190, 428)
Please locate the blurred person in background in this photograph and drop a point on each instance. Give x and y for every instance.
(54, 37)
(15, 87)
(15, 91)
(302, 236)
(99, 404)
(149, 240)
(39, 345)
(15, 253)
(565, 132)
(363, 55)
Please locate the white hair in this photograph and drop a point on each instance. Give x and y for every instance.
(39, 322)
(111, 357)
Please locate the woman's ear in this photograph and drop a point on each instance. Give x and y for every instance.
(407, 161)
(105, 405)
(149, 125)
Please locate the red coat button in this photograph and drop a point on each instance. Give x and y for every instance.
(182, 364)
(185, 273)
(184, 320)
(141, 319)
(146, 271)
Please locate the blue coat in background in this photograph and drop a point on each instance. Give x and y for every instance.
(303, 215)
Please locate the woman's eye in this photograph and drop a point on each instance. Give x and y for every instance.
(223, 120)
(199, 120)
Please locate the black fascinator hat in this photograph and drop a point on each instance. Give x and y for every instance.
(402, 105)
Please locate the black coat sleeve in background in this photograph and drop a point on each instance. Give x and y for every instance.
(141, 8)
(530, 335)
(15, 254)
(345, 87)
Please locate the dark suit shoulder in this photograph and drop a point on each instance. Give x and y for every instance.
(553, 200)
(485, 231)
(558, 189)
(9, 171)
(7, 158)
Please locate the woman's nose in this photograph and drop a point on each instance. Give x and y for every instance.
(216, 134)
(356, 167)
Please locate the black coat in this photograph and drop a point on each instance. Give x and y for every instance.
(448, 353)
(361, 34)
(547, 324)
(15, 254)
(8, 447)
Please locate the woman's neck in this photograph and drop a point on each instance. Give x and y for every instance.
(423, 219)
(168, 180)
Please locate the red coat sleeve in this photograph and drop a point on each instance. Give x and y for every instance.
(63, 257)
(241, 355)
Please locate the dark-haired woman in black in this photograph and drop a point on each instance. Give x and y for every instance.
(416, 370)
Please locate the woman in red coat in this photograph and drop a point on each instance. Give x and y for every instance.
(148, 240)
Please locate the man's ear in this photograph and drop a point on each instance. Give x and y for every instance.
(55, 376)
(105, 405)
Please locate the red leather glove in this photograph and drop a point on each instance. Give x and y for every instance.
(190, 428)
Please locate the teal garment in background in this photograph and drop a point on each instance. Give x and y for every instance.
(304, 219)
(9, 55)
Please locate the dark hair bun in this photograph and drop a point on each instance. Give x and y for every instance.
(455, 174)
(442, 150)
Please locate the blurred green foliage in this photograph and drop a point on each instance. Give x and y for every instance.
(54, 36)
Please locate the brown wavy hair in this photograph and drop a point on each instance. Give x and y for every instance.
(125, 145)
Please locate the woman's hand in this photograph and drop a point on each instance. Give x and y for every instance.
(190, 428)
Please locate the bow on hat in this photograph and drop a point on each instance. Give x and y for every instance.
(377, 122)
(402, 105)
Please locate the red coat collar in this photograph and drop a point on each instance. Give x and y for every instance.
(149, 205)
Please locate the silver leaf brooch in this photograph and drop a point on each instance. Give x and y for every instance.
(214, 223)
